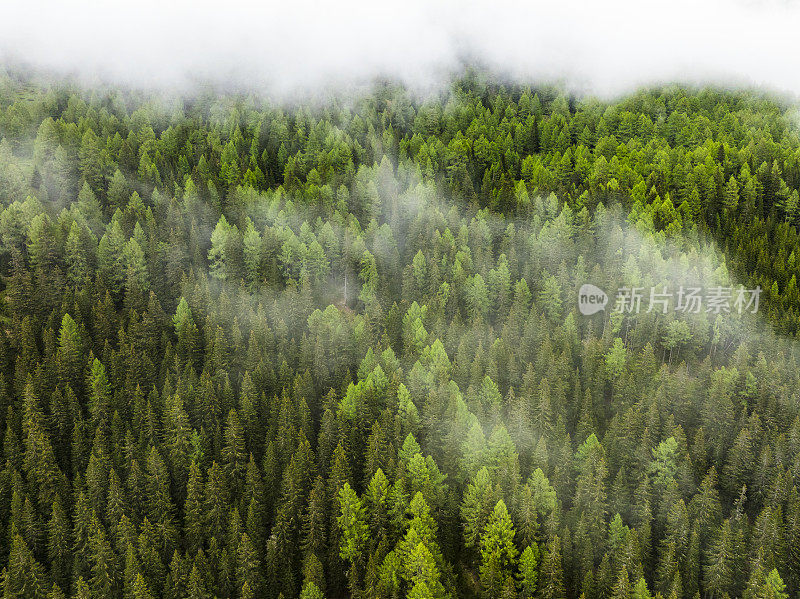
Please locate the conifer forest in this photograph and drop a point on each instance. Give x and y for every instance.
(333, 348)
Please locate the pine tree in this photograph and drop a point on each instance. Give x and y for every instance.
(59, 533)
(529, 570)
(248, 566)
(314, 520)
(69, 357)
(479, 500)
(25, 577)
(100, 393)
(622, 588)
(551, 581)
(234, 451)
(718, 573)
(498, 552)
(731, 194)
(194, 509)
(137, 278)
(104, 568)
(140, 590)
(354, 532)
(640, 590)
(311, 591)
(111, 258)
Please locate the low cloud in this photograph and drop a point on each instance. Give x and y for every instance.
(605, 48)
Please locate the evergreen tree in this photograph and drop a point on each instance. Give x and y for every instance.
(354, 532)
(498, 552)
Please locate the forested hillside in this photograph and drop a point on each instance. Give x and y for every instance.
(333, 349)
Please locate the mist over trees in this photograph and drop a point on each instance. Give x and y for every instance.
(334, 350)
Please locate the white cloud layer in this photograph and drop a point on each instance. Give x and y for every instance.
(606, 46)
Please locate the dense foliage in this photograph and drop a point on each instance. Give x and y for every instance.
(334, 350)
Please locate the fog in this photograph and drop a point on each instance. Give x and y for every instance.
(605, 48)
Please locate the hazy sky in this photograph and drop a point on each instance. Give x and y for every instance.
(607, 46)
